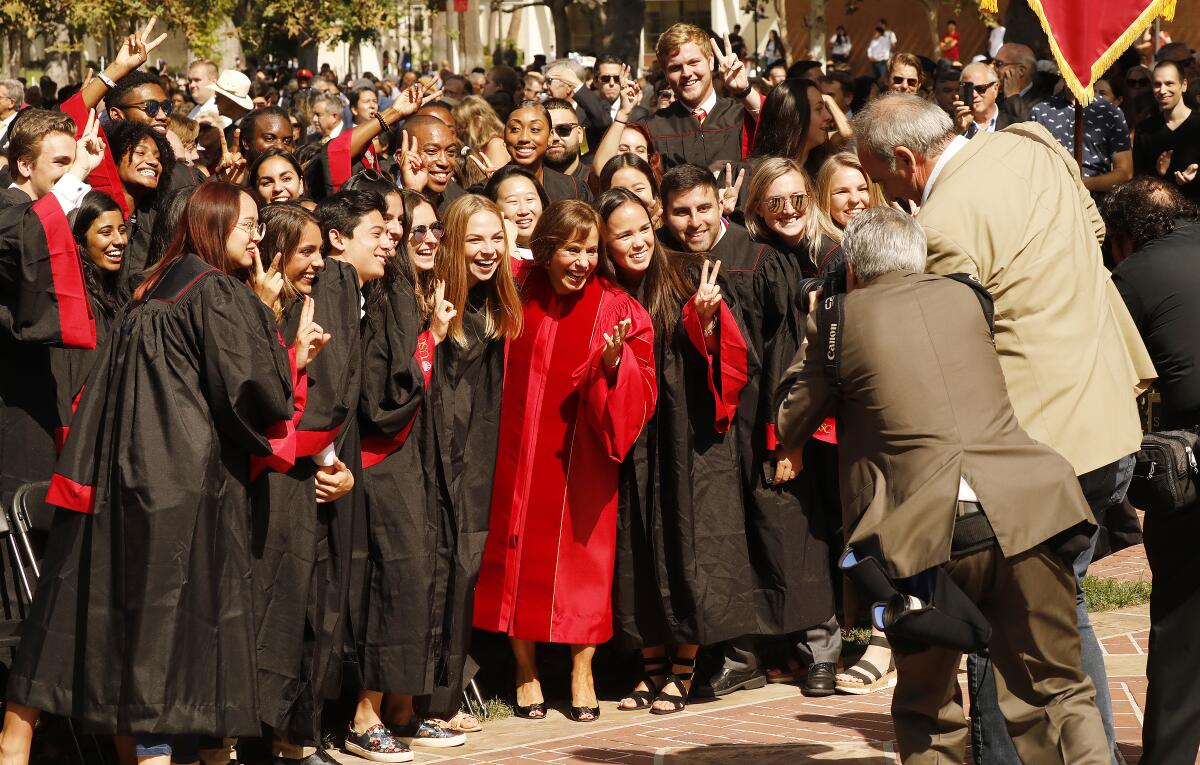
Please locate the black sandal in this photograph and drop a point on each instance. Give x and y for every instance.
(645, 699)
(528, 712)
(578, 712)
(678, 701)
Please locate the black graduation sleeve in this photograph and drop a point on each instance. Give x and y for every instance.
(42, 294)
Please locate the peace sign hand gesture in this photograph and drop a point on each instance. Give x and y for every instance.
(233, 165)
(733, 188)
(733, 71)
(611, 355)
(268, 285)
(410, 100)
(89, 149)
(310, 338)
(136, 50)
(631, 94)
(708, 294)
(413, 172)
(443, 312)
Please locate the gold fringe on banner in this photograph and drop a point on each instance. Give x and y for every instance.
(1163, 8)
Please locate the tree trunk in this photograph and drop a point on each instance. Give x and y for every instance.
(931, 15)
(461, 43)
(781, 18)
(472, 44)
(562, 28)
(623, 27)
(815, 21)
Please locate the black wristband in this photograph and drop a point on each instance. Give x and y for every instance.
(383, 126)
(740, 93)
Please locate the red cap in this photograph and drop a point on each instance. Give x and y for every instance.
(304, 74)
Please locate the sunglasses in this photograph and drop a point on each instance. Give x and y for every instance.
(911, 82)
(981, 89)
(1138, 82)
(610, 79)
(436, 230)
(564, 131)
(151, 108)
(797, 201)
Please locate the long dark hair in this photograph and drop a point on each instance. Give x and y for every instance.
(207, 222)
(170, 212)
(667, 284)
(101, 285)
(783, 125)
(628, 159)
(284, 224)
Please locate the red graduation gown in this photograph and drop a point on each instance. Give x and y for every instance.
(564, 428)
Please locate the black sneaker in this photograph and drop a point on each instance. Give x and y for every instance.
(428, 733)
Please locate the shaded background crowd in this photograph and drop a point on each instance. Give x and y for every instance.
(396, 204)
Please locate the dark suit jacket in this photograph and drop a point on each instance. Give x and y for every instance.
(922, 404)
(1020, 108)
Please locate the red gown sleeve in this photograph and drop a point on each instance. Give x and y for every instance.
(375, 449)
(729, 362)
(104, 178)
(619, 411)
(341, 164)
(282, 435)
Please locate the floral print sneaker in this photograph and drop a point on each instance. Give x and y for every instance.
(429, 733)
(376, 744)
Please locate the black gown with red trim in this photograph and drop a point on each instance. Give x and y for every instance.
(401, 624)
(143, 621)
(302, 549)
(44, 305)
(683, 572)
(464, 399)
(326, 173)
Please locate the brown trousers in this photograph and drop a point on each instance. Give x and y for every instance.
(1047, 700)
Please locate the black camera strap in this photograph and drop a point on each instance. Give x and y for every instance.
(830, 316)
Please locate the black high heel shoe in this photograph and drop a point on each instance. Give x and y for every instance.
(578, 712)
(652, 667)
(535, 711)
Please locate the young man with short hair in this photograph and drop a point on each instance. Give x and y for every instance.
(1168, 144)
(566, 136)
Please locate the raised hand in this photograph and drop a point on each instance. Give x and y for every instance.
(733, 71)
(89, 149)
(136, 50)
(310, 338)
(268, 285)
(484, 163)
(413, 172)
(708, 294)
(733, 187)
(410, 100)
(631, 94)
(443, 312)
(611, 355)
(1164, 161)
(232, 167)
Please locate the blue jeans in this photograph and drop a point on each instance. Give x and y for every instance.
(990, 742)
(183, 749)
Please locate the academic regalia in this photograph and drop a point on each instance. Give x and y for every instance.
(403, 618)
(137, 250)
(683, 573)
(453, 191)
(105, 177)
(559, 186)
(465, 403)
(333, 166)
(143, 621)
(301, 548)
(565, 427)
(44, 303)
(784, 525)
(724, 137)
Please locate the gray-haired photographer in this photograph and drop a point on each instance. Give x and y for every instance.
(944, 499)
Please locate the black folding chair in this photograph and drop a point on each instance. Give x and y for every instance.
(27, 516)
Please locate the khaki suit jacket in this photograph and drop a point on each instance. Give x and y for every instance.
(1010, 208)
(921, 404)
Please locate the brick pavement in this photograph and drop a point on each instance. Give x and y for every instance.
(776, 724)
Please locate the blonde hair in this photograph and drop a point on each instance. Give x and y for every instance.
(187, 129)
(502, 309)
(477, 124)
(824, 190)
(676, 36)
(766, 172)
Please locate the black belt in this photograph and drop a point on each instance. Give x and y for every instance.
(972, 531)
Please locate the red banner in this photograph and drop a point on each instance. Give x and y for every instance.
(1087, 36)
(460, 6)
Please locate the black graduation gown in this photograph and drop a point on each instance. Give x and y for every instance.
(143, 621)
(402, 615)
(44, 304)
(683, 572)
(559, 186)
(784, 525)
(137, 251)
(680, 139)
(465, 402)
(301, 548)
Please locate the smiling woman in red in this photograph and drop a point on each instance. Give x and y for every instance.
(579, 388)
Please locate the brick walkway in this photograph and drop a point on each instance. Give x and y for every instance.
(777, 725)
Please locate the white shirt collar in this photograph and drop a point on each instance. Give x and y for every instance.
(707, 104)
(947, 154)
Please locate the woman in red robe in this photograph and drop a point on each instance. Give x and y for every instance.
(579, 388)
